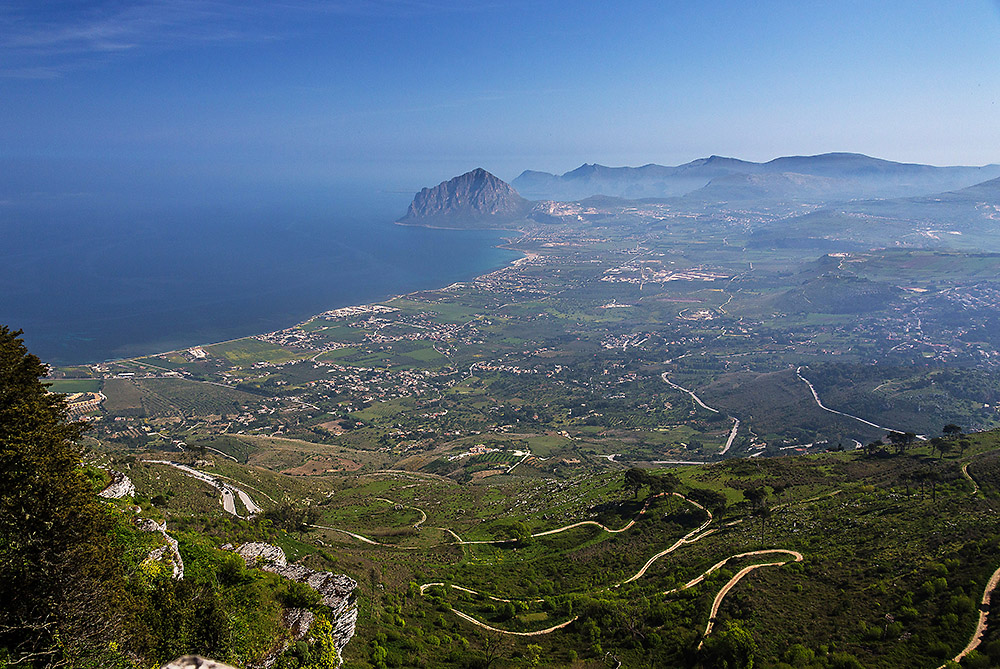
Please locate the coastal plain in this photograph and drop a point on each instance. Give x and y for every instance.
(469, 454)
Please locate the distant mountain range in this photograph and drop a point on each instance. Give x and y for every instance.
(965, 218)
(823, 178)
(850, 183)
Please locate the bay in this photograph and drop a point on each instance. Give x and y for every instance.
(90, 281)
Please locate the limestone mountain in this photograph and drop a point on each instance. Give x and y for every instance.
(829, 176)
(474, 198)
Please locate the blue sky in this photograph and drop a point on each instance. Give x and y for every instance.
(186, 96)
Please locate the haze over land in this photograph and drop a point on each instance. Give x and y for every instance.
(490, 454)
(686, 352)
(213, 102)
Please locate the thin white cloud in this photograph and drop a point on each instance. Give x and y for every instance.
(42, 43)
(37, 41)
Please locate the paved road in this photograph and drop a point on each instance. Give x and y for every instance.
(798, 373)
(228, 501)
(736, 421)
(226, 490)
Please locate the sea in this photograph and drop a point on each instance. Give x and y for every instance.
(93, 279)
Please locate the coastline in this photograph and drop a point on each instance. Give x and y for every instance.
(524, 256)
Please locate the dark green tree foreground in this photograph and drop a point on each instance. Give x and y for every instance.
(76, 587)
(59, 578)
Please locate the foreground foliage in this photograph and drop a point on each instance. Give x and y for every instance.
(76, 586)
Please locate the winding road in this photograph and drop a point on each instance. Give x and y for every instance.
(691, 537)
(423, 516)
(228, 491)
(698, 401)
(694, 535)
(966, 474)
(798, 373)
(688, 538)
(736, 579)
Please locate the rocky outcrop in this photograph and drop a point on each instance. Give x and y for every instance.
(298, 621)
(267, 556)
(336, 591)
(476, 198)
(121, 486)
(195, 662)
(170, 549)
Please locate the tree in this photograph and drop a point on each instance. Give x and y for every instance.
(933, 477)
(945, 447)
(664, 484)
(732, 648)
(756, 496)
(763, 512)
(712, 500)
(635, 479)
(324, 651)
(494, 645)
(293, 518)
(952, 430)
(60, 578)
(901, 440)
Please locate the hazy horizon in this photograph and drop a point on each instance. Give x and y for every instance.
(173, 99)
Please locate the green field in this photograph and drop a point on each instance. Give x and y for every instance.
(74, 385)
(249, 351)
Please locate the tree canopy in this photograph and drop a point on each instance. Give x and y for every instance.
(57, 575)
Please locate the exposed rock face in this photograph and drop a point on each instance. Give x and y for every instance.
(195, 662)
(149, 525)
(121, 486)
(268, 555)
(335, 590)
(298, 621)
(474, 197)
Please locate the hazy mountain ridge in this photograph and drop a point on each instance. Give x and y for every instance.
(963, 218)
(857, 196)
(851, 175)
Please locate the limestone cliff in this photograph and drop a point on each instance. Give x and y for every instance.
(474, 199)
(336, 591)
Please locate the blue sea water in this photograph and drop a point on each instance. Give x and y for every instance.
(91, 280)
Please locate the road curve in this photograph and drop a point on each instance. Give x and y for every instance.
(227, 491)
(732, 435)
(736, 421)
(425, 586)
(689, 392)
(366, 540)
(798, 373)
(479, 623)
(984, 612)
(423, 516)
(688, 538)
(966, 474)
(718, 565)
(736, 579)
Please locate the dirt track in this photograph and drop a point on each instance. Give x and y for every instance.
(984, 612)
